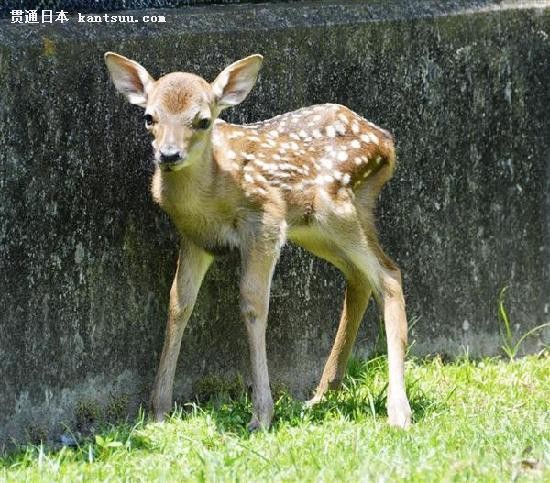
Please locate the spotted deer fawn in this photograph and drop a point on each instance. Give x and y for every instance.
(312, 176)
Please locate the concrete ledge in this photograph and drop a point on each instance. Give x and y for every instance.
(86, 258)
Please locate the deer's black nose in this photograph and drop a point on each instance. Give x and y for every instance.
(170, 158)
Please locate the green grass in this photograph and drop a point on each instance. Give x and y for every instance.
(474, 421)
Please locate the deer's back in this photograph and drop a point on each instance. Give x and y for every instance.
(306, 159)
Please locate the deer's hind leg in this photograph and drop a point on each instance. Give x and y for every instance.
(356, 299)
(392, 304)
(368, 269)
(352, 256)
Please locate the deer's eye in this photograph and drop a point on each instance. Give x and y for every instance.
(202, 124)
(149, 121)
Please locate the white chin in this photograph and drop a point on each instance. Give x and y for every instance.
(174, 167)
(178, 166)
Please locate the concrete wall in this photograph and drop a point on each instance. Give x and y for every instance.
(87, 259)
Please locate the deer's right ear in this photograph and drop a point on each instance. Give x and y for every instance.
(129, 78)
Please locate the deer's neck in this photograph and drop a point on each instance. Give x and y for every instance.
(200, 210)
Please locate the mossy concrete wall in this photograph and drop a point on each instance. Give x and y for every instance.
(87, 258)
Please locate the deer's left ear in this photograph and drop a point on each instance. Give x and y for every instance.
(235, 82)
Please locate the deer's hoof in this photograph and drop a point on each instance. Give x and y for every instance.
(159, 416)
(159, 412)
(399, 414)
(261, 422)
(313, 401)
(256, 425)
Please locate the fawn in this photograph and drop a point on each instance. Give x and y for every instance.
(312, 176)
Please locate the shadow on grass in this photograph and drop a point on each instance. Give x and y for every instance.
(363, 396)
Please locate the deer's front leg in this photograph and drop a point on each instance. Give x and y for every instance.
(258, 264)
(193, 263)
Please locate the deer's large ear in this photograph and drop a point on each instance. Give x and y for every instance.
(129, 78)
(235, 82)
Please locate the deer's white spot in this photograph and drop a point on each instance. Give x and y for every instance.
(248, 178)
(343, 118)
(337, 175)
(340, 128)
(273, 133)
(324, 179)
(342, 156)
(346, 178)
(316, 133)
(294, 146)
(303, 134)
(230, 154)
(355, 144)
(327, 163)
(331, 132)
(358, 161)
(355, 127)
(248, 156)
(369, 138)
(236, 134)
(253, 138)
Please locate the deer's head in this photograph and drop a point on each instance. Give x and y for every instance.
(180, 107)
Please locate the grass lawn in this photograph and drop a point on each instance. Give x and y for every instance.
(474, 421)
